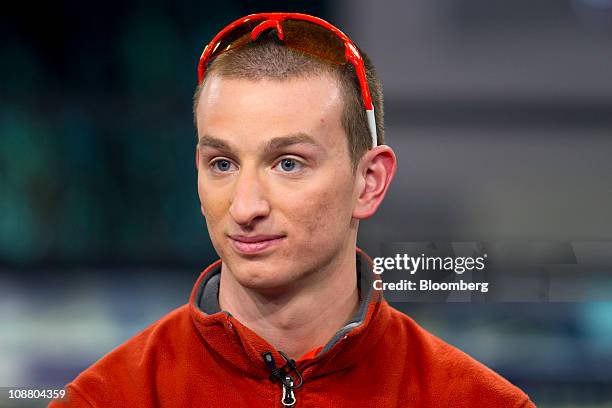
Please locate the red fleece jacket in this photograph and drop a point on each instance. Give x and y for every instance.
(200, 356)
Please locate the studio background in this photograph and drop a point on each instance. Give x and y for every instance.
(500, 113)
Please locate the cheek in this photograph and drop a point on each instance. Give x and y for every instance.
(212, 204)
(202, 194)
(324, 213)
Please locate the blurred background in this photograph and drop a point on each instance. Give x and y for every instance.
(500, 113)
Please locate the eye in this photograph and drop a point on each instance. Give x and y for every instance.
(289, 165)
(222, 165)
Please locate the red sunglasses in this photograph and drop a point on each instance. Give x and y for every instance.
(305, 33)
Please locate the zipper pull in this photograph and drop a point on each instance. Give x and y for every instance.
(288, 399)
(282, 374)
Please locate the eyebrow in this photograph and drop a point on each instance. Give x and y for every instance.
(213, 142)
(273, 145)
(290, 140)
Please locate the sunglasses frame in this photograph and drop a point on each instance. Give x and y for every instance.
(274, 20)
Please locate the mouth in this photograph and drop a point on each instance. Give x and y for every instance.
(255, 244)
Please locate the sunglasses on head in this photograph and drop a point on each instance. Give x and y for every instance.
(302, 32)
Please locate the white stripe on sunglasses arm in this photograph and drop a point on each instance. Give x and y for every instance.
(372, 126)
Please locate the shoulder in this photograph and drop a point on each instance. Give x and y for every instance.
(167, 334)
(448, 374)
(132, 366)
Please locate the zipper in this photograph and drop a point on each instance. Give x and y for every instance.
(282, 374)
(288, 399)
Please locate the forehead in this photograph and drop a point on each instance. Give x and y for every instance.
(249, 113)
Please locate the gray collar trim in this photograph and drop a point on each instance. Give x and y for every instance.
(207, 295)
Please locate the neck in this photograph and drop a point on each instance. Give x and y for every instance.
(304, 316)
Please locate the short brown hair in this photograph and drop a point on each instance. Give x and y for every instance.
(268, 58)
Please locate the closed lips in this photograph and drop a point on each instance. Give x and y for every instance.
(254, 239)
(253, 245)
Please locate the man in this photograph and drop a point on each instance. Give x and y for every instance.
(290, 158)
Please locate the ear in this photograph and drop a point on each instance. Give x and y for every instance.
(376, 170)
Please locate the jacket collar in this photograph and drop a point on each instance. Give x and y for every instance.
(241, 348)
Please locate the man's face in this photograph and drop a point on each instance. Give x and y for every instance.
(274, 177)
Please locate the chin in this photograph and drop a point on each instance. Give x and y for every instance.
(264, 275)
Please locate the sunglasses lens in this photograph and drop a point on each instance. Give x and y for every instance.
(238, 37)
(304, 36)
(314, 40)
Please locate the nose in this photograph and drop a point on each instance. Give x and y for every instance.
(248, 204)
